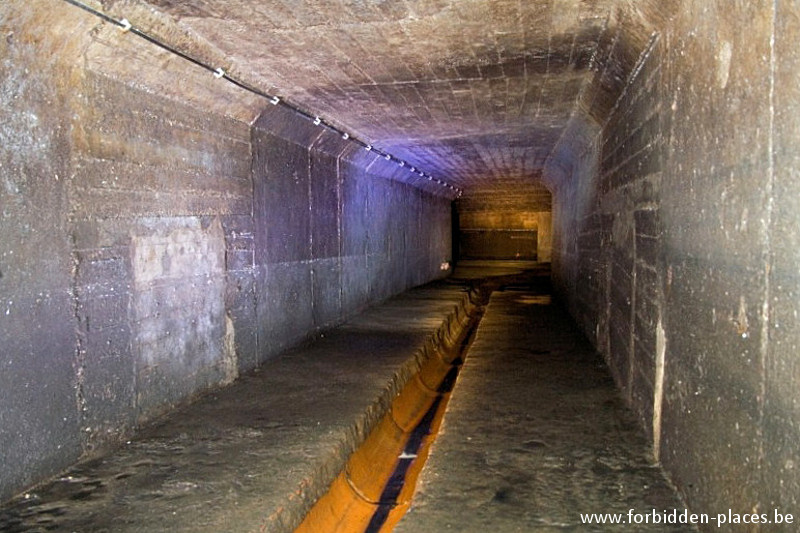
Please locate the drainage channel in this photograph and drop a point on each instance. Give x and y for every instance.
(374, 490)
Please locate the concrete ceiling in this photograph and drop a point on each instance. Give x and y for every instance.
(476, 92)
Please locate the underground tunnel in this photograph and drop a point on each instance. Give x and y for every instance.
(234, 234)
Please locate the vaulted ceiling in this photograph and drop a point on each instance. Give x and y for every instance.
(476, 92)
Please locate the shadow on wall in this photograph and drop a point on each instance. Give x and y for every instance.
(516, 228)
(498, 244)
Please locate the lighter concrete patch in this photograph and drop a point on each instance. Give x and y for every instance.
(724, 63)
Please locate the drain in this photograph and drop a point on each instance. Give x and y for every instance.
(375, 488)
(390, 497)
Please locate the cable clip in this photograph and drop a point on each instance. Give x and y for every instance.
(368, 148)
(345, 135)
(402, 163)
(219, 73)
(413, 169)
(317, 121)
(387, 157)
(126, 25)
(274, 100)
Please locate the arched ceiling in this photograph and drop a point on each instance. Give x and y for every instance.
(477, 92)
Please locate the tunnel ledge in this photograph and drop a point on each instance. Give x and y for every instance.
(256, 455)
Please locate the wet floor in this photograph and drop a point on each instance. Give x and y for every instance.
(483, 269)
(535, 434)
(256, 455)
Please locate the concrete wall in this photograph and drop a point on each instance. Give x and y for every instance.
(330, 235)
(39, 421)
(676, 236)
(155, 245)
(781, 371)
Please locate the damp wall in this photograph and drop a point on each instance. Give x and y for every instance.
(675, 247)
(156, 241)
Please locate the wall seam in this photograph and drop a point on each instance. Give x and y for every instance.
(81, 324)
(79, 360)
(637, 68)
(311, 227)
(767, 253)
(339, 214)
(632, 317)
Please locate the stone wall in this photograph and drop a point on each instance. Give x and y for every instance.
(781, 410)
(154, 245)
(675, 223)
(150, 193)
(39, 418)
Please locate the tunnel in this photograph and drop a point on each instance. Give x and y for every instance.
(199, 196)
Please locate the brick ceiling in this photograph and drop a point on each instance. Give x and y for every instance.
(476, 92)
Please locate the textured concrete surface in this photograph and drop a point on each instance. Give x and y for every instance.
(256, 455)
(476, 92)
(470, 90)
(153, 247)
(535, 434)
(37, 435)
(673, 234)
(662, 133)
(781, 405)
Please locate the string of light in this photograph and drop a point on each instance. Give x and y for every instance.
(221, 74)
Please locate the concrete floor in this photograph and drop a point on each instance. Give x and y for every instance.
(254, 456)
(535, 433)
(481, 269)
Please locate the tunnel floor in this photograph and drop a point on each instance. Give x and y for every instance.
(535, 433)
(253, 456)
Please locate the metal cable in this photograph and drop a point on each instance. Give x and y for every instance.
(126, 26)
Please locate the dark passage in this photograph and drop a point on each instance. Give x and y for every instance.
(498, 244)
